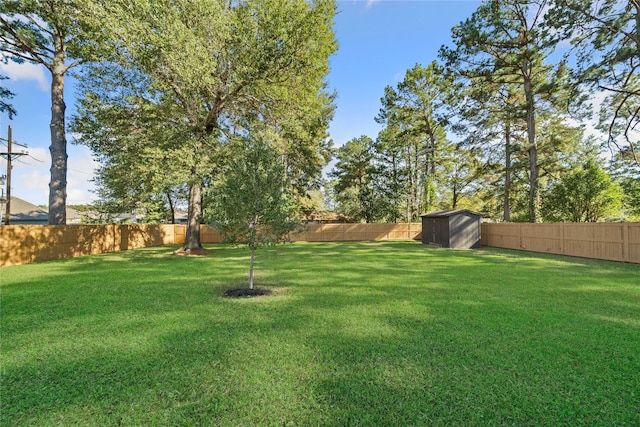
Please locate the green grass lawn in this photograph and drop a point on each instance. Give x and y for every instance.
(375, 333)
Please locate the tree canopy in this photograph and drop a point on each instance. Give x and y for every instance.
(214, 70)
(252, 203)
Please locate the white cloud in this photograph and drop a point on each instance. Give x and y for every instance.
(26, 71)
(81, 167)
(370, 3)
(30, 184)
(30, 177)
(80, 196)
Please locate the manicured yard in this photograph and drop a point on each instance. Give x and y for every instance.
(376, 333)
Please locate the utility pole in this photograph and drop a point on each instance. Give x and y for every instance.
(9, 156)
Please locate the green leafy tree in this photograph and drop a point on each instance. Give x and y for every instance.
(624, 173)
(253, 204)
(51, 33)
(141, 165)
(216, 66)
(584, 194)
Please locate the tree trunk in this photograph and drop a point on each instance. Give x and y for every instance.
(253, 252)
(192, 237)
(533, 148)
(507, 173)
(172, 209)
(58, 148)
(454, 199)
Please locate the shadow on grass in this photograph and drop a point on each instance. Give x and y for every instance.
(365, 334)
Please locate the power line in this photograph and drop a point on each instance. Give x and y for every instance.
(9, 156)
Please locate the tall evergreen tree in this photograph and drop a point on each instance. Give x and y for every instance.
(606, 37)
(51, 33)
(488, 119)
(411, 114)
(504, 43)
(357, 194)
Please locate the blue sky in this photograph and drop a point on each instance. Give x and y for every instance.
(379, 41)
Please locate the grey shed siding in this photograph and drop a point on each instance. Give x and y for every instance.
(452, 229)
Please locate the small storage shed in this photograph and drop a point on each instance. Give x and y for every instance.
(452, 229)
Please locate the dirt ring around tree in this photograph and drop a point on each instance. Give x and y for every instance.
(246, 292)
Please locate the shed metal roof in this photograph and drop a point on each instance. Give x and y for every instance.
(447, 213)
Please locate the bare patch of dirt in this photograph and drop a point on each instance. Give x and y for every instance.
(246, 292)
(191, 252)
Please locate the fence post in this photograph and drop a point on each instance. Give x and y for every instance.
(520, 236)
(625, 242)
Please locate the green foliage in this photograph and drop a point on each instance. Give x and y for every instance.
(356, 333)
(357, 192)
(584, 194)
(606, 39)
(212, 70)
(144, 164)
(624, 172)
(429, 195)
(413, 146)
(502, 50)
(253, 203)
(5, 97)
(40, 30)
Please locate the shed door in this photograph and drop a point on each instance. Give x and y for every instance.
(433, 231)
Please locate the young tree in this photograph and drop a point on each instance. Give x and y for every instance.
(218, 65)
(252, 203)
(50, 33)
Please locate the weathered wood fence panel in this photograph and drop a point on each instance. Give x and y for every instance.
(339, 233)
(608, 241)
(20, 244)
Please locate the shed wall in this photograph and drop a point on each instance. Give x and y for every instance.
(465, 231)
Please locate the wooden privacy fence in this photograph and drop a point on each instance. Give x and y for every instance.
(340, 233)
(608, 241)
(21, 244)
